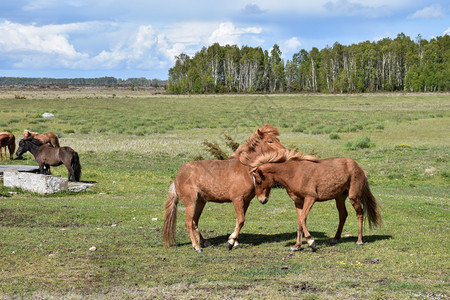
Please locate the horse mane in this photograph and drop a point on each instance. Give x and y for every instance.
(254, 139)
(33, 140)
(278, 157)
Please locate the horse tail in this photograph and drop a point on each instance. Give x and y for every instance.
(170, 217)
(76, 166)
(370, 206)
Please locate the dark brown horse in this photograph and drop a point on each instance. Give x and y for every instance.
(45, 138)
(46, 156)
(220, 181)
(308, 180)
(7, 140)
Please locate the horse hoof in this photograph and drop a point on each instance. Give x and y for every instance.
(229, 246)
(295, 249)
(334, 241)
(199, 250)
(359, 243)
(237, 246)
(313, 245)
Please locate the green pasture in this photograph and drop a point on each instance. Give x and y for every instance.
(132, 147)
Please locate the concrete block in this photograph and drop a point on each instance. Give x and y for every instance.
(37, 183)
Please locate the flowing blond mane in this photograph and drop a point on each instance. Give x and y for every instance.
(279, 156)
(255, 139)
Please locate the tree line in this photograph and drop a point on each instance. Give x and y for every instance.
(101, 81)
(399, 64)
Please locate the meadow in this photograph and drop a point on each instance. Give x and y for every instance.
(131, 144)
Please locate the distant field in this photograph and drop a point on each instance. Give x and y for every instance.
(132, 143)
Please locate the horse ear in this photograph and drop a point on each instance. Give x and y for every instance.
(260, 133)
(260, 173)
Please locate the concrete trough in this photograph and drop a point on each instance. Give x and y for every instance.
(37, 183)
(20, 168)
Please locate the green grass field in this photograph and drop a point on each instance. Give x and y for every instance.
(132, 144)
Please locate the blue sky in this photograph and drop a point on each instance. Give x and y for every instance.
(140, 38)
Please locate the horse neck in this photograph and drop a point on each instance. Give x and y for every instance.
(33, 148)
(281, 173)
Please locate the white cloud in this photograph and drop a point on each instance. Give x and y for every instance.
(252, 9)
(34, 47)
(447, 32)
(290, 46)
(50, 39)
(227, 33)
(429, 12)
(112, 45)
(372, 9)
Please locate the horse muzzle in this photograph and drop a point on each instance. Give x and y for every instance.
(264, 201)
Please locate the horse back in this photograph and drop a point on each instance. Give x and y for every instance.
(323, 179)
(54, 156)
(215, 180)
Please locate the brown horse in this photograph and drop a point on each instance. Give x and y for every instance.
(308, 180)
(7, 140)
(46, 156)
(220, 181)
(45, 138)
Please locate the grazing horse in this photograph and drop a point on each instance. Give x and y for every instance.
(198, 182)
(45, 138)
(46, 156)
(7, 139)
(308, 180)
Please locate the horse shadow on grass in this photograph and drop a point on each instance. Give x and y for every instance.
(289, 238)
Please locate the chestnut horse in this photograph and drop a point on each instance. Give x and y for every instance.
(46, 156)
(219, 181)
(7, 139)
(308, 180)
(48, 137)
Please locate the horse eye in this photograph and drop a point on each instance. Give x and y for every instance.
(259, 183)
(270, 142)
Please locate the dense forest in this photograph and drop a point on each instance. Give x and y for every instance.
(399, 64)
(101, 81)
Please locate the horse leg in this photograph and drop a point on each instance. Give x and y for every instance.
(191, 226)
(197, 213)
(298, 244)
(70, 172)
(48, 170)
(1, 153)
(239, 207)
(340, 205)
(355, 193)
(246, 205)
(356, 202)
(41, 168)
(309, 201)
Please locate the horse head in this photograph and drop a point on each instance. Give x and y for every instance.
(263, 185)
(264, 139)
(27, 144)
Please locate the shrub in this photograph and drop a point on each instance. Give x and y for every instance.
(334, 136)
(360, 143)
(215, 150)
(231, 143)
(12, 121)
(299, 128)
